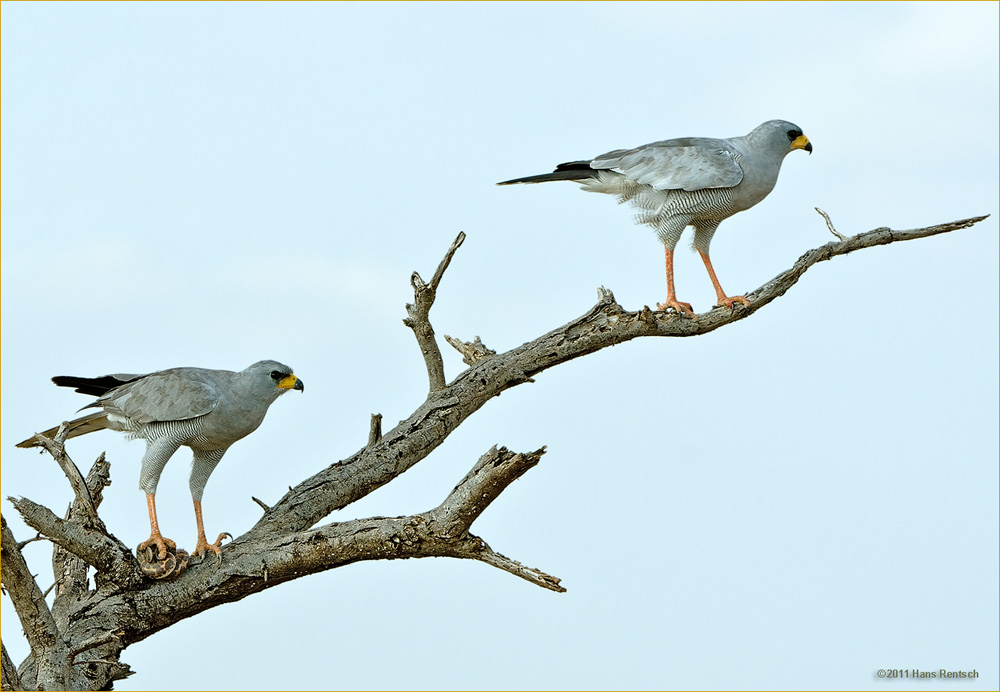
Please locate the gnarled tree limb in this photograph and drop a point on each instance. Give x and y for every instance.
(419, 322)
(286, 543)
(48, 646)
(9, 679)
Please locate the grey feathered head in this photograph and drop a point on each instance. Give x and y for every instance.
(780, 135)
(273, 376)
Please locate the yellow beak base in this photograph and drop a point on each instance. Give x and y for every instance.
(802, 142)
(288, 382)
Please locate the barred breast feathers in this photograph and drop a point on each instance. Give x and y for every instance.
(183, 431)
(710, 203)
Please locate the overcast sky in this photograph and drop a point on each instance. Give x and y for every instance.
(792, 502)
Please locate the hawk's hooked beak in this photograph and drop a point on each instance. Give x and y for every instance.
(291, 382)
(802, 142)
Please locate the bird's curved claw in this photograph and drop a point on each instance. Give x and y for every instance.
(730, 301)
(203, 547)
(163, 545)
(679, 307)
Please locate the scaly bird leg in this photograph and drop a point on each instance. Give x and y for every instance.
(724, 300)
(155, 538)
(203, 545)
(671, 301)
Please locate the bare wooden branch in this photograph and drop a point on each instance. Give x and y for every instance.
(56, 447)
(287, 542)
(829, 224)
(46, 641)
(97, 640)
(472, 351)
(69, 570)
(37, 537)
(606, 324)
(9, 679)
(419, 322)
(491, 475)
(108, 555)
(537, 577)
(375, 430)
(439, 273)
(261, 503)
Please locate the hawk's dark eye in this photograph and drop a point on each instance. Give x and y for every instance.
(794, 135)
(275, 375)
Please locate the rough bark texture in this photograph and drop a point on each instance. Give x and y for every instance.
(77, 643)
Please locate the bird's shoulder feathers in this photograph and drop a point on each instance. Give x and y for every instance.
(169, 395)
(688, 163)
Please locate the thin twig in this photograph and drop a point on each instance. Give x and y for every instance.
(263, 506)
(829, 224)
(38, 537)
(457, 243)
(535, 576)
(96, 641)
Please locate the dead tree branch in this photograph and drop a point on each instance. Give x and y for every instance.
(69, 570)
(109, 556)
(286, 542)
(829, 224)
(9, 679)
(419, 322)
(472, 352)
(48, 647)
(375, 430)
(606, 324)
(56, 447)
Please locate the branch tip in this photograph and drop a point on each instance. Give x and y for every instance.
(418, 317)
(829, 224)
(472, 352)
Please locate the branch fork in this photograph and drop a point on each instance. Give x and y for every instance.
(423, 298)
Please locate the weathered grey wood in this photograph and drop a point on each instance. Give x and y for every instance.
(79, 641)
(9, 679)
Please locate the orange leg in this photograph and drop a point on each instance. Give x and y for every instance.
(155, 537)
(671, 301)
(724, 300)
(203, 546)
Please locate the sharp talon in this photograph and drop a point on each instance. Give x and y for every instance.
(163, 545)
(204, 547)
(678, 307)
(730, 302)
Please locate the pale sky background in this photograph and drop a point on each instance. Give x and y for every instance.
(792, 502)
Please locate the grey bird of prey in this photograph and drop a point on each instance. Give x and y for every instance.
(206, 410)
(691, 181)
